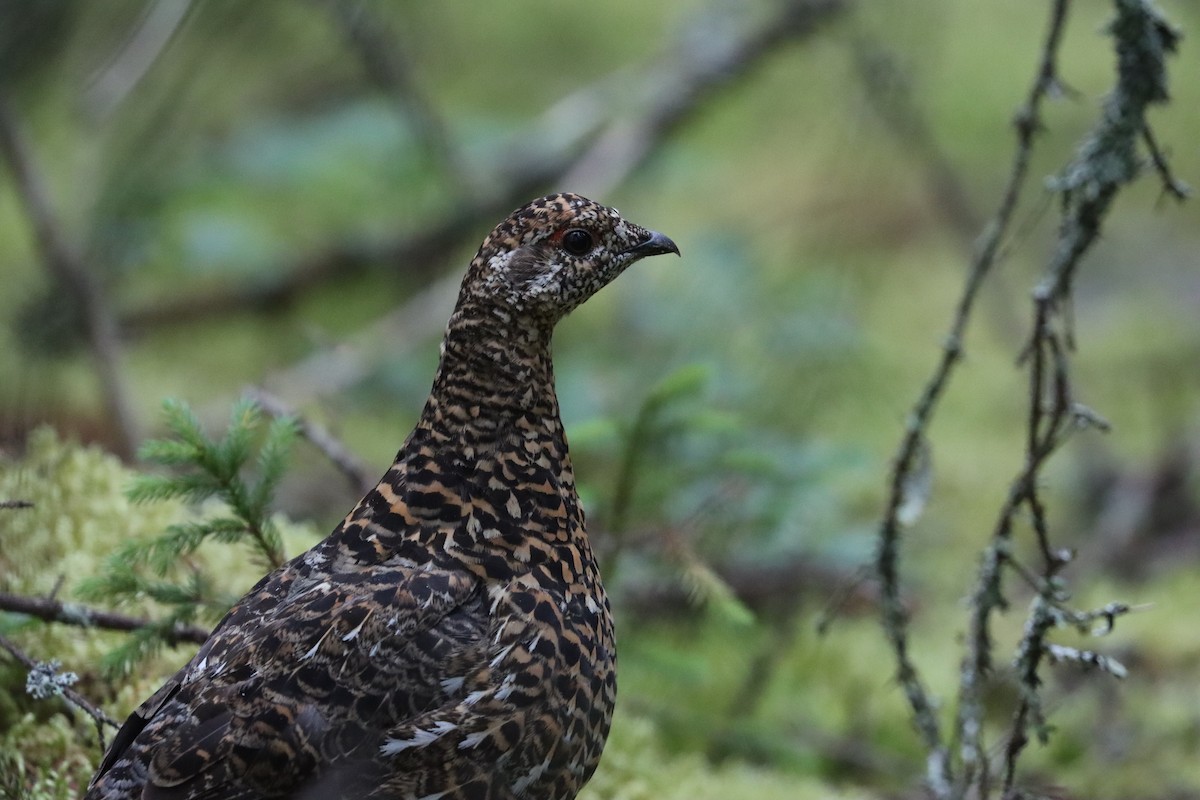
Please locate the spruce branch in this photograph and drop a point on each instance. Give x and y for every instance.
(647, 429)
(1108, 158)
(240, 471)
(213, 468)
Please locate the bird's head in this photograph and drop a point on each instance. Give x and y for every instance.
(554, 253)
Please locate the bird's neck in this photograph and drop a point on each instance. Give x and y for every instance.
(495, 371)
(491, 435)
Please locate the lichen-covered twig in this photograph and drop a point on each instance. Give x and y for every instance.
(1107, 160)
(895, 618)
(73, 697)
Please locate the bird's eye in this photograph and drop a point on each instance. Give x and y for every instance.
(577, 241)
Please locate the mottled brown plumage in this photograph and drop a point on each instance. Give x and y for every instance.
(450, 638)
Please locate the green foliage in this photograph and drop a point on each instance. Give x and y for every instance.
(212, 474)
(637, 766)
(722, 490)
(213, 469)
(79, 516)
(25, 778)
(819, 263)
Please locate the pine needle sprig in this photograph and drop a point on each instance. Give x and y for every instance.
(237, 474)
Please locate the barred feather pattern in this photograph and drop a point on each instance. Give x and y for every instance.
(451, 638)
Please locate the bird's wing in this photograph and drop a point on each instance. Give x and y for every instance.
(303, 672)
(503, 708)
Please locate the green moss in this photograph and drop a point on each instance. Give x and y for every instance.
(636, 766)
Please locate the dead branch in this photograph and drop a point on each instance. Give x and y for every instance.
(52, 610)
(350, 465)
(895, 618)
(68, 271)
(70, 695)
(1107, 160)
(554, 150)
(159, 23)
(382, 57)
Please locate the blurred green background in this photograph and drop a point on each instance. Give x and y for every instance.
(283, 194)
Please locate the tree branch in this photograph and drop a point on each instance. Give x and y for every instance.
(69, 272)
(52, 610)
(350, 465)
(571, 144)
(70, 695)
(383, 61)
(894, 617)
(684, 79)
(1106, 161)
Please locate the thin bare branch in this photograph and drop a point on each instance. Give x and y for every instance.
(895, 618)
(73, 697)
(383, 59)
(139, 52)
(83, 616)
(1106, 161)
(68, 270)
(350, 465)
(574, 143)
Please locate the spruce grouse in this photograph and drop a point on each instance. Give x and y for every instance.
(450, 639)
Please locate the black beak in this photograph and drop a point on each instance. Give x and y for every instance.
(656, 245)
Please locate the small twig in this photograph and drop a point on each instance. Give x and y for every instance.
(1172, 185)
(15, 504)
(349, 464)
(848, 589)
(69, 272)
(86, 617)
(99, 717)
